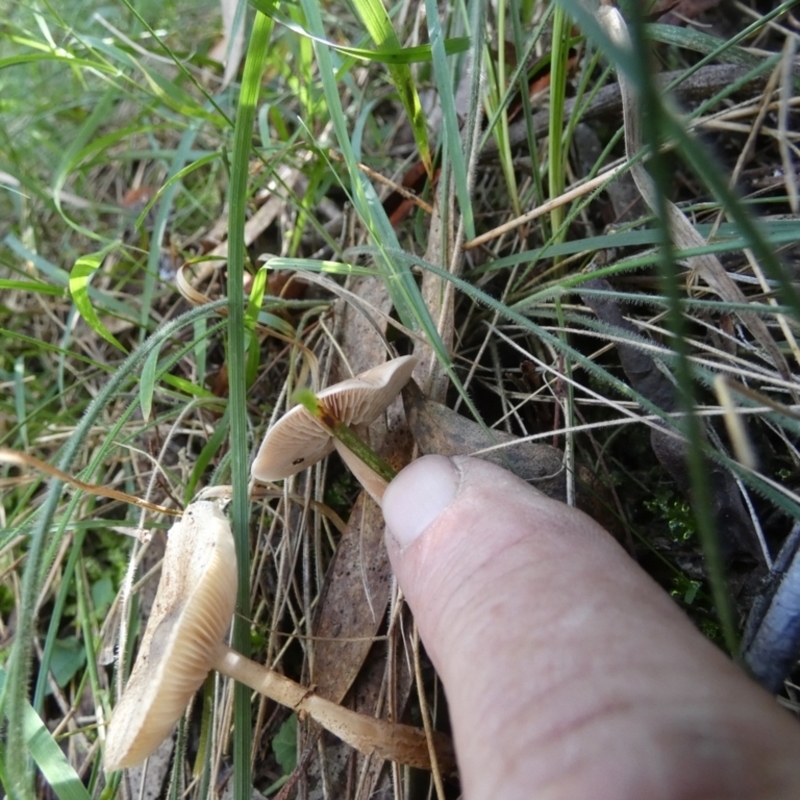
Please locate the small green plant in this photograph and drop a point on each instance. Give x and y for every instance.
(676, 512)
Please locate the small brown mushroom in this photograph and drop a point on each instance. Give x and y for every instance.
(183, 641)
(298, 440)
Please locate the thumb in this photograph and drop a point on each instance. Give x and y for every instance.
(568, 672)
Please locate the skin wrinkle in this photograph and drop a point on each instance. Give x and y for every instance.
(604, 724)
(572, 692)
(554, 759)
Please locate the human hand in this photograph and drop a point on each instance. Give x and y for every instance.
(569, 673)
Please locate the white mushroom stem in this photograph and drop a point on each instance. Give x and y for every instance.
(389, 740)
(373, 483)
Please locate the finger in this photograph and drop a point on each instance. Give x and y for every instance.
(568, 672)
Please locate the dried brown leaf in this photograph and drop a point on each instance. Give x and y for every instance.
(438, 429)
(352, 606)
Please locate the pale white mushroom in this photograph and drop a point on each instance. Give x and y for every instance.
(192, 610)
(183, 641)
(298, 440)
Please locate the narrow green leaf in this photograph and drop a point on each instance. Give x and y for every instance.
(210, 449)
(20, 405)
(452, 134)
(379, 26)
(47, 755)
(187, 387)
(147, 383)
(253, 363)
(417, 54)
(255, 299)
(79, 278)
(30, 286)
(557, 147)
(254, 66)
(48, 57)
(692, 39)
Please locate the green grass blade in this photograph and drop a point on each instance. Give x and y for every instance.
(46, 58)
(20, 405)
(254, 66)
(147, 384)
(556, 170)
(451, 132)
(34, 287)
(255, 299)
(47, 755)
(83, 270)
(379, 26)
(693, 39)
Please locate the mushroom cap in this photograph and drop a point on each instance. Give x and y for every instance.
(193, 606)
(297, 440)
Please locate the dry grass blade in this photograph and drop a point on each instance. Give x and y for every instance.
(25, 460)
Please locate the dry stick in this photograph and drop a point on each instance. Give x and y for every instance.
(403, 191)
(546, 208)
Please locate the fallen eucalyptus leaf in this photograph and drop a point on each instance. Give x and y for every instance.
(438, 429)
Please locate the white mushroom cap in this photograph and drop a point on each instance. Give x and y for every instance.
(297, 440)
(194, 603)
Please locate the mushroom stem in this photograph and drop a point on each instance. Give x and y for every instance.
(389, 740)
(373, 483)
